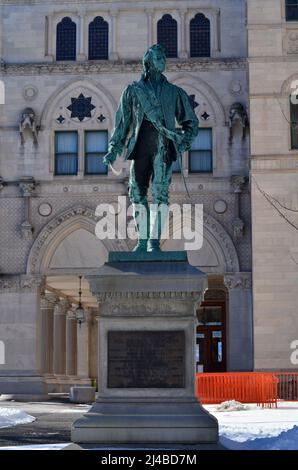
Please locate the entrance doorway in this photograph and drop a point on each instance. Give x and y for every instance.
(211, 337)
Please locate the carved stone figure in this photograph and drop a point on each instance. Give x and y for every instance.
(28, 125)
(238, 114)
(148, 111)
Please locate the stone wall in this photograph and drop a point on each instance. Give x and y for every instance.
(274, 183)
(34, 79)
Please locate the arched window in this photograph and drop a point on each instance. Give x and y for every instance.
(66, 40)
(167, 35)
(98, 39)
(200, 36)
(292, 10)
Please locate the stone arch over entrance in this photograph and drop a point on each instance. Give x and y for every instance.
(56, 233)
(218, 254)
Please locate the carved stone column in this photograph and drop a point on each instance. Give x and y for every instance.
(238, 183)
(59, 362)
(27, 186)
(82, 52)
(71, 343)
(182, 53)
(83, 349)
(113, 50)
(46, 329)
(49, 54)
(240, 322)
(150, 26)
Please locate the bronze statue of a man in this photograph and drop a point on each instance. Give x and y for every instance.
(149, 110)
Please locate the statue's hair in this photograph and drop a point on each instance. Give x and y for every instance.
(147, 58)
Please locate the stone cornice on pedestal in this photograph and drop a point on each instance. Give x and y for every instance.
(123, 66)
(142, 305)
(106, 296)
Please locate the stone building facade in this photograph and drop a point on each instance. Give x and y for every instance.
(273, 78)
(47, 209)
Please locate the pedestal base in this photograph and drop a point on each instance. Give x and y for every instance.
(146, 353)
(177, 422)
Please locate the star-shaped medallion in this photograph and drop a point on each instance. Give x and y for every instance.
(81, 107)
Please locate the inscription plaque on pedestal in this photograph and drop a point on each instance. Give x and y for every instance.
(146, 359)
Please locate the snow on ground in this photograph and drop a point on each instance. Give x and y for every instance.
(12, 417)
(258, 428)
(251, 428)
(38, 447)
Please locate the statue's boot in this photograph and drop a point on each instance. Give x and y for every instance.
(141, 216)
(158, 217)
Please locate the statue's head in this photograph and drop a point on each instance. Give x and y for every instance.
(154, 59)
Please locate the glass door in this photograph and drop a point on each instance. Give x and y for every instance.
(210, 338)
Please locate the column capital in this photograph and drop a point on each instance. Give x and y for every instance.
(238, 182)
(27, 186)
(183, 12)
(114, 13)
(32, 282)
(61, 307)
(48, 300)
(81, 13)
(239, 281)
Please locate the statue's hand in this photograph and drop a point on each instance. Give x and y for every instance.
(109, 158)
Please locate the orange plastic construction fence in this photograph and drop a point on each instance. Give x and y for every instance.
(287, 385)
(246, 387)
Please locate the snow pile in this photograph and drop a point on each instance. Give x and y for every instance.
(231, 405)
(12, 417)
(287, 440)
(259, 428)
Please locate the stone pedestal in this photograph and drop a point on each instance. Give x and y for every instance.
(146, 339)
